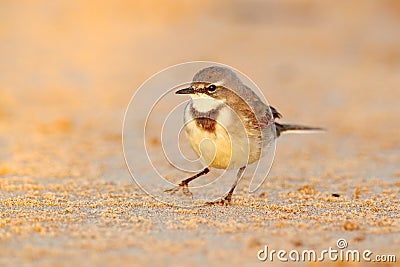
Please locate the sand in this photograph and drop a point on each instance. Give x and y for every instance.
(68, 70)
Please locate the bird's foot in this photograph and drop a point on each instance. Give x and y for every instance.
(182, 186)
(223, 201)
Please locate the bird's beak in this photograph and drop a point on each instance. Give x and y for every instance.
(185, 91)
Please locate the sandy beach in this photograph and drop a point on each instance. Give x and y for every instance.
(68, 70)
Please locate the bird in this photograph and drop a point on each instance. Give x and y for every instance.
(228, 125)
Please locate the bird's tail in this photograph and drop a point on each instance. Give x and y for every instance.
(294, 127)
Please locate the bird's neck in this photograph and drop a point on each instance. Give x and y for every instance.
(205, 104)
(206, 120)
(209, 113)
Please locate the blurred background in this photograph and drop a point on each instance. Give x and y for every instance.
(68, 69)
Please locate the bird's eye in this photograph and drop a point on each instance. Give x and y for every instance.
(211, 88)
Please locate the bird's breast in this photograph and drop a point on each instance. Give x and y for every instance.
(219, 137)
(208, 120)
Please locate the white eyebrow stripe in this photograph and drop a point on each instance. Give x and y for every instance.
(221, 82)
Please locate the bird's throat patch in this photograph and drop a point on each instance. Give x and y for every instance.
(206, 120)
(206, 124)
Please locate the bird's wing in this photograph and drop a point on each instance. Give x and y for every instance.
(266, 120)
(275, 113)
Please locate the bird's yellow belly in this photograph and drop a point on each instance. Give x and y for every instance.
(222, 150)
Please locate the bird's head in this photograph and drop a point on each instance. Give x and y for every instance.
(217, 83)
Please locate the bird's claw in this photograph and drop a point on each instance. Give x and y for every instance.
(182, 186)
(224, 201)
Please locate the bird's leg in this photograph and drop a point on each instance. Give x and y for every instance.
(228, 197)
(184, 183)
